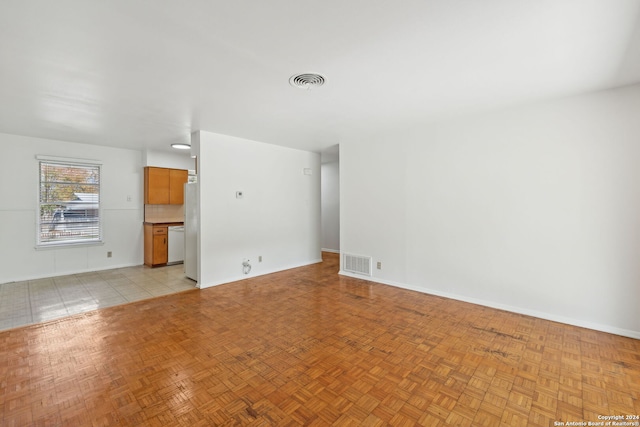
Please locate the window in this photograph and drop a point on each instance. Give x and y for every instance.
(69, 202)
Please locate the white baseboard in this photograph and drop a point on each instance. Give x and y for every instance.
(333, 251)
(70, 273)
(251, 276)
(518, 310)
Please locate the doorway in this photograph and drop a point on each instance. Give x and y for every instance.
(330, 199)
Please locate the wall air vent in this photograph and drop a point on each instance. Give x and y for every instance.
(357, 264)
(306, 80)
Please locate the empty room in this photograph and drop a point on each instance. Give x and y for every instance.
(338, 213)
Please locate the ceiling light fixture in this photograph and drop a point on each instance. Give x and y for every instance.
(306, 80)
(181, 146)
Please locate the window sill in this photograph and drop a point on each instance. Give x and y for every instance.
(68, 245)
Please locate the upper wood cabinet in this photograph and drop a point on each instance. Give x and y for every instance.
(164, 186)
(156, 186)
(177, 179)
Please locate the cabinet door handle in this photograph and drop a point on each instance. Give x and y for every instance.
(165, 240)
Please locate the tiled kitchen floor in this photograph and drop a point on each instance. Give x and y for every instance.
(34, 301)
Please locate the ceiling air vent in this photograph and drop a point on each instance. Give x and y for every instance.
(306, 80)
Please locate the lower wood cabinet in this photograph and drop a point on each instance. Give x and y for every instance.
(156, 245)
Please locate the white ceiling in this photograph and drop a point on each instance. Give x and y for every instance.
(145, 73)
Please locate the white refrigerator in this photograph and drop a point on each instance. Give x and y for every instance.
(191, 230)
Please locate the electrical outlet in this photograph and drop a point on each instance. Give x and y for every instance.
(379, 265)
(109, 254)
(260, 258)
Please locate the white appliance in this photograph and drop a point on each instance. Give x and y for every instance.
(176, 245)
(191, 230)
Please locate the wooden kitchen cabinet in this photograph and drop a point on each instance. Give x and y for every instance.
(163, 186)
(156, 186)
(156, 245)
(177, 179)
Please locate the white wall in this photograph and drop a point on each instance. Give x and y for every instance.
(122, 219)
(278, 217)
(533, 209)
(181, 159)
(330, 202)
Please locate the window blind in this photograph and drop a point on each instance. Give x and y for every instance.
(69, 203)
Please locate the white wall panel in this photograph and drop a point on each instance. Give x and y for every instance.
(533, 209)
(121, 203)
(18, 258)
(176, 160)
(278, 216)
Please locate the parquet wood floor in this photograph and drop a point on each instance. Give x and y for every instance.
(308, 347)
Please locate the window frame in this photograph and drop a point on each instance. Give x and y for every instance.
(86, 163)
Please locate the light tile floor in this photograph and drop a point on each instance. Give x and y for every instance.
(35, 301)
